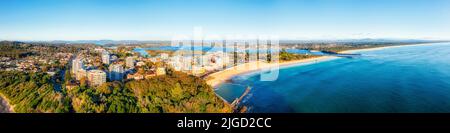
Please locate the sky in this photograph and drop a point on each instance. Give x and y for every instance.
(164, 19)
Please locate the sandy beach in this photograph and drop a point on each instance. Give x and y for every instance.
(222, 76)
(380, 48)
(225, 75)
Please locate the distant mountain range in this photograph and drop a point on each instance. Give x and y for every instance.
(101, 42)
(115, 42)
(367, 40)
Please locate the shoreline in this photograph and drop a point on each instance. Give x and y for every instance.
(383, 47)
(223, 76)
(6, 103)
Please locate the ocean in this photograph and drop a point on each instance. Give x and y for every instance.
(401, 79)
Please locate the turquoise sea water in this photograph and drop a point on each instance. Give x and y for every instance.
(402, 79)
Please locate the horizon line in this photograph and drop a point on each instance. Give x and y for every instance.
(287, 39)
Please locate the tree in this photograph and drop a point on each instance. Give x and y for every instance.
(83, 82)
(104, 89)
(67, 76)
(179, 92)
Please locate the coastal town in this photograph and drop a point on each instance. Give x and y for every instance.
(211, 65)
(77, 73)
(71, 67)
(96, 65)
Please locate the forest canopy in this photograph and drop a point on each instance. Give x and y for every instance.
(173, 93)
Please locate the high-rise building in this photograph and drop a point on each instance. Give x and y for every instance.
(105, 57)
(116, 72)
(130, 62)
(96, 77)
(76, 65)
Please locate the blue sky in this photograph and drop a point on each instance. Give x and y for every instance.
(162, 19)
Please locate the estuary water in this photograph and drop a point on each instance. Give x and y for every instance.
(401, 79)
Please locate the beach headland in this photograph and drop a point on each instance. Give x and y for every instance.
(219, 77)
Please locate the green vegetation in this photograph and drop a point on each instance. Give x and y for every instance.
(173, 93)
(13, 49)
(285, 56)
(176, 93)
(32, 92)
(158, 52)
(107, 98)
(338, 46)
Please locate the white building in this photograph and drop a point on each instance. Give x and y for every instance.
(175, 62)
(130, 62)
(140, 63)
(105, 57)
(76, 65)
(96, 77)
